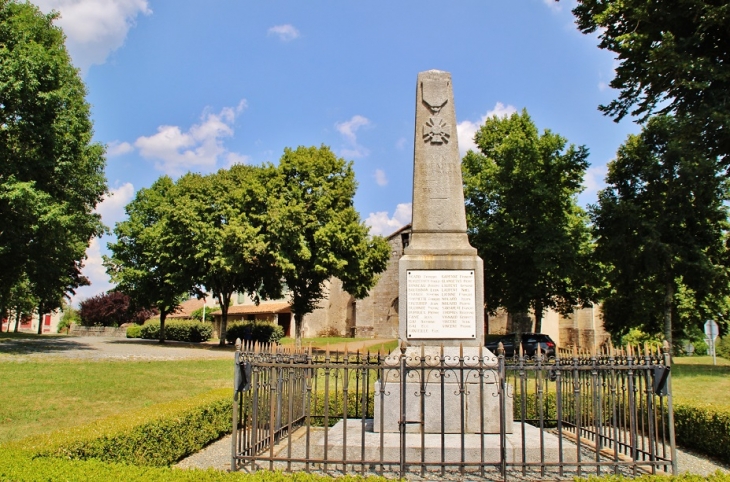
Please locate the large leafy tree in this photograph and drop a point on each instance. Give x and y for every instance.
(661, 228)
(148, 260)
(315, 230)
(673, 57)
(520, 191)
(51, 174)
(223, 218)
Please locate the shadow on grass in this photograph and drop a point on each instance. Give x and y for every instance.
(172, 344)
(700, 370)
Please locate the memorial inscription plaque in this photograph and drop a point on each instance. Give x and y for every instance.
(441, 304)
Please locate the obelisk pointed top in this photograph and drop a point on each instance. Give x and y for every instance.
(439, 219)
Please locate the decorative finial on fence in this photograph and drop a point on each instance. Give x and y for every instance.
(402, 347)
(238, 344)
(500, 349)
(665, 347)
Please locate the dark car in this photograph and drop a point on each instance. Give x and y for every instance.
(530, 342)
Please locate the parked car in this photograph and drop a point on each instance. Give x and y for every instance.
(529, 344)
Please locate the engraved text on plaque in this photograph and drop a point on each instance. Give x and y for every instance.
(441, 304)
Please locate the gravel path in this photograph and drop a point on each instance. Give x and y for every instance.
(218, 456)
(106, 348)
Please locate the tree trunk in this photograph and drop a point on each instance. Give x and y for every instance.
(40, 319)
(17, 320)
(298, 317)
(668, 302)
(224, 319)
(538, 317)
(163, 315)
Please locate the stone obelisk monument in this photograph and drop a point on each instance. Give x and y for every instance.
(441, 292)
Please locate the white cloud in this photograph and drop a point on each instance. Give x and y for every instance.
(401, 143)
(95, 28)
(381, 223)
(380, 177)
(95, 271)
(465, 130)
(112, 206)
(284, 32)
(116, 148)
(232, 158)
(553, 5)
(200, 147)
(349, 129)
(594, 180)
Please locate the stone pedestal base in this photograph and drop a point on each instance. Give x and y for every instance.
(436, 420)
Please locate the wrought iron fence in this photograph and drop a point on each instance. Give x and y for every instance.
(453, 411)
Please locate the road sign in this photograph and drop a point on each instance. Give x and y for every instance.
(711, 329)
(711, 332)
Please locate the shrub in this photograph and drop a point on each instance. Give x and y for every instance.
(258, 331)
(111, 309)
(178, 330)
(703, 428)
(158, 435)
(134, 331)
(722, 347)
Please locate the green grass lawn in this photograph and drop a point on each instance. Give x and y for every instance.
(55, 394)
(696, 379)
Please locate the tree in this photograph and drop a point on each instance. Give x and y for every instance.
(661, 228)
(147, 261)
(51, 174)
(222, 217)
(315, 230)
(523, 218)
(674, 57)
(111, 309)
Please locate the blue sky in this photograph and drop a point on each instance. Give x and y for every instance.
(178, 85)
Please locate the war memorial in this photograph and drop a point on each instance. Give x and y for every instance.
(441, 403)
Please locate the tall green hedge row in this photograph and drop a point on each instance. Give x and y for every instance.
(177, 330)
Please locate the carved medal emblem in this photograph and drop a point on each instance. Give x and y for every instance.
(435, 93)
(436, 131)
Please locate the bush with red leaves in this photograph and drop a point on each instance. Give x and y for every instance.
(111, 309)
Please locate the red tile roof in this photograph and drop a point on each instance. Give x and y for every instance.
(273, 307)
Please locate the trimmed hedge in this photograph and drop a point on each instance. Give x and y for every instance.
(178, 330)
(158, 435)
(134, 331)
(703, 428)
(258, 331)
(19, 467)
(716, 477)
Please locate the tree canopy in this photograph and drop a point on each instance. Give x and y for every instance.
(222, 217)
(111, 309)
(316, 231)
(51, 174)
(661, 228)
(522, 214)
(148, 261)
(674, 57)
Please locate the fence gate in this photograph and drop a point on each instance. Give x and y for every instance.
(428, 411)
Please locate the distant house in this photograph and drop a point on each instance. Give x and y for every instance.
(30, 324)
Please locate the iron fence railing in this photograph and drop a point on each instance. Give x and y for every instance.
(422, 411)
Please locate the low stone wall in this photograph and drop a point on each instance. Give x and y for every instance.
(97, 331)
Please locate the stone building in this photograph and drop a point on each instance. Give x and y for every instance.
(376, 316)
